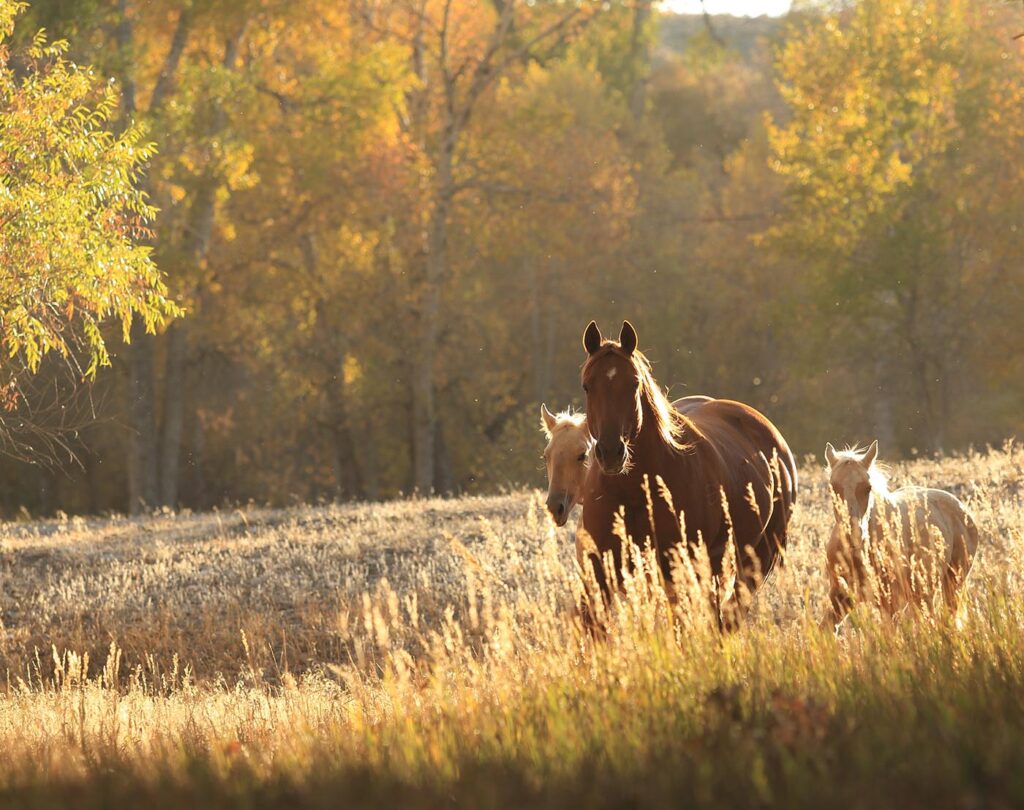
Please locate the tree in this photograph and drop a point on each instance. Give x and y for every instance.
(72, 218)
(897, 111)
(458, 54)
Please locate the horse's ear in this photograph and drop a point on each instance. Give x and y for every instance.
(627, 337)
(592, 338)
(830, 454)
(547, 420)
(870, 454)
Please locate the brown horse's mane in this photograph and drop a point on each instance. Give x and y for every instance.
(676, 430)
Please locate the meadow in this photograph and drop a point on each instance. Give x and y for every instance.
(422, 653)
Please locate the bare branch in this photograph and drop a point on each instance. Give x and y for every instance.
(173, 58)
(487, 71)
(43, 413)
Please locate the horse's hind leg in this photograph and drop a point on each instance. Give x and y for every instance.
(840, 605)
(952, 582)
(731, 612)
(955, 575)
(772, 546)
(592, 624)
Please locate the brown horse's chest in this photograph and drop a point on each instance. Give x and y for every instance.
(648, 516)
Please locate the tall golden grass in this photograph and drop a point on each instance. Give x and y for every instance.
(426, 653)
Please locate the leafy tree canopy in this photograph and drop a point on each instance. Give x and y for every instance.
(73, 219)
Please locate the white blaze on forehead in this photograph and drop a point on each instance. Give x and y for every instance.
(612, 372)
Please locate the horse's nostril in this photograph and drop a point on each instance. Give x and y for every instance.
(599, 452)
(561, 508)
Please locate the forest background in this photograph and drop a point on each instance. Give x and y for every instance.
(386, 223)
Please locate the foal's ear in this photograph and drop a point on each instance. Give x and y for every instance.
(547, 420)
(870, 454)
(830, 454)
(592, 338)
(627, 338)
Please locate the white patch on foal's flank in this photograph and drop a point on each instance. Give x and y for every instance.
(612, 372)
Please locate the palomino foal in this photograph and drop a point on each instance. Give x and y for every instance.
(565, 458)
(890, 547)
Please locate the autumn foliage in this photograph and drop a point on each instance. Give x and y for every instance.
(387, 222)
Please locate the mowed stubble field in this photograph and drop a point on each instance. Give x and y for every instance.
(423, 653)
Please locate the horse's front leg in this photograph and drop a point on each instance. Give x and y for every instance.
(594, 600)
(842, 563)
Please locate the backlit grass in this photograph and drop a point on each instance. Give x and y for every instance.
(424, 653)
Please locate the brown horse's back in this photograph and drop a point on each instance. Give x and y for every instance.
(748, 452)
(687, 404)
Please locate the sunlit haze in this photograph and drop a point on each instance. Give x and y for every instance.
(747, 8)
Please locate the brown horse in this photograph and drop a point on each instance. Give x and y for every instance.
(711, 450)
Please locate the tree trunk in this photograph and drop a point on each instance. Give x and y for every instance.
(142, 449)
(47, 491)
(93, 481)
(424, 413)
(201, 226)
(198, 460)
(536, 328)
(444, 478)
(347, 477)
(885, 421)
(173, 415)
(143, 483)
(370, 468)
(201, 218)
(347, 480)
(640, 58)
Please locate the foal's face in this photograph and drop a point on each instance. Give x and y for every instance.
(850, 479)
(566, 460)
(613, 406)
(851, 486)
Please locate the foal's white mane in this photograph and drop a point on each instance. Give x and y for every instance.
(565, 420)
(570, 417)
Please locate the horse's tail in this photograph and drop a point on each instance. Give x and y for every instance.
(772, 541)
(973, 534)
(787, 485)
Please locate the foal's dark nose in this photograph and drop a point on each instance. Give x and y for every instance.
(557, 506)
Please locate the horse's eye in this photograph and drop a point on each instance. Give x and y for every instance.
(585, 388)
(582, 458)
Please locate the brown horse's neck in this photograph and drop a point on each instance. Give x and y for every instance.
(649, 435)
(651, 453)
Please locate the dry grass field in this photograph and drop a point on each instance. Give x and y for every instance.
(423, 653)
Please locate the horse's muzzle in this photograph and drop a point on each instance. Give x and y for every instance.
(560, 505)
(611, 456)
